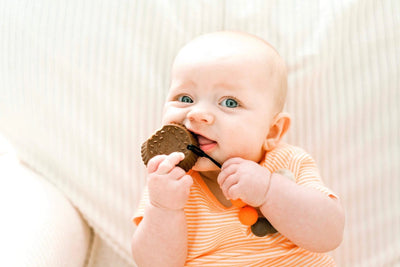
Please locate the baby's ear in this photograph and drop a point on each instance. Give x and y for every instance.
(278, 129)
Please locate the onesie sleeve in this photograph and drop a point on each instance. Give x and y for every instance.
(306, 173)
(138, 216)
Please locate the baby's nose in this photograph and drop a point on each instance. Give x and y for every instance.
(201, 115)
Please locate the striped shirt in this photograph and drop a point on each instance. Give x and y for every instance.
(217, 238)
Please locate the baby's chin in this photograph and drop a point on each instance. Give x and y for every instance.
(205, 165)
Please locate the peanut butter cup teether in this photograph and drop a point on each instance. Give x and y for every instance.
(171, 138)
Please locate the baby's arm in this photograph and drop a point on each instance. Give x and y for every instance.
(309, 218)
(306, 216)
(161, 237)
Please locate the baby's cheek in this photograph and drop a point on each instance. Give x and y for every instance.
(247, 149)
(172, 115)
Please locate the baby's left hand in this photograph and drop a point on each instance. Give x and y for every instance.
(244, 179)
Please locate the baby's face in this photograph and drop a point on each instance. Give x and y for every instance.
(223, 95)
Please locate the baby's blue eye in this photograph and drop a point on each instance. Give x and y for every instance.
(185, 99)
(230, 103)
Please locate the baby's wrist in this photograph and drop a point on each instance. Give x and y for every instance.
(281, 172)
(163, 209)
(160, 217)
(265, 197)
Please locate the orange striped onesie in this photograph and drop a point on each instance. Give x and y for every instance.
(217, 238)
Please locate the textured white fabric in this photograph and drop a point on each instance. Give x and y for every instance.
(82, 85)
(103, 255)
(39, 227)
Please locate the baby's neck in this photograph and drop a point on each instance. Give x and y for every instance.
(210, 175)
(210, 179)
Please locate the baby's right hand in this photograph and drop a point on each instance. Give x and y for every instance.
(169, 185)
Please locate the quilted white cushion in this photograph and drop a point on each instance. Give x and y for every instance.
(39, 226)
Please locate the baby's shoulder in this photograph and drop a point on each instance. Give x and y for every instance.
(283, 156)
(287, 151)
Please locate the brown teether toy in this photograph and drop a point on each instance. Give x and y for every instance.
(171, 138)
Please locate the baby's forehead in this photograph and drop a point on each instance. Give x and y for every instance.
(235, 47)
(228, 43)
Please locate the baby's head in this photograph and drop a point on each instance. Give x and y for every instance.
(229, 88)
(247, 51)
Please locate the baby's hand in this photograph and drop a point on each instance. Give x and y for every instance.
(244, 179)
(168, 185)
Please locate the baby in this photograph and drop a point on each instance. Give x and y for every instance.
(229, 89)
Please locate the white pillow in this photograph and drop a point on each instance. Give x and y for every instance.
(39, 226)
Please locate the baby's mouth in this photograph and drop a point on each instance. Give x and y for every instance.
(205, 144)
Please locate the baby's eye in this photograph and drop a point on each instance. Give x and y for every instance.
(230, 103)
(185, 99)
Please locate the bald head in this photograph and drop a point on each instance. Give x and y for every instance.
(250, 48)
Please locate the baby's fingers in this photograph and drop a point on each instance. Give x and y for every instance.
(225, 173)
(226, 187)
(154, 162)
(232, 161)
(170, 162)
